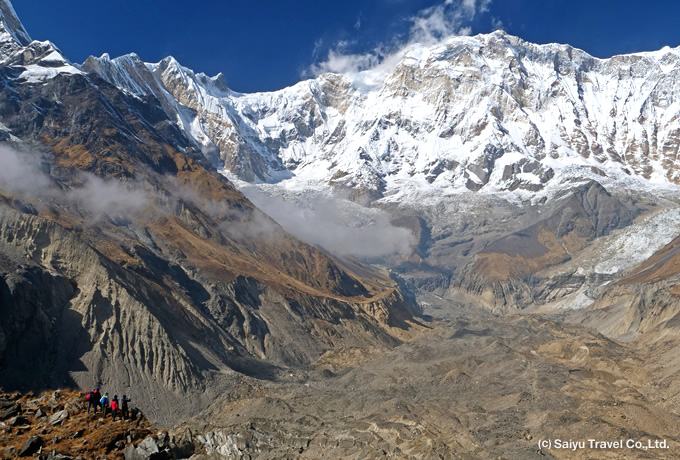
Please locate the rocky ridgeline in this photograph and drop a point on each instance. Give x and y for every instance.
(489, 112)
(56, 426)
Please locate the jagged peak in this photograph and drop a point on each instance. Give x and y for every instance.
(12, 25)
(106, 57)
(220, 81)
(170, 61)
(132, 56)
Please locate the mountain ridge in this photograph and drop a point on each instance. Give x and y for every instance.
(482, 104)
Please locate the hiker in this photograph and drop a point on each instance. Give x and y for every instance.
(93, 399)
(105, 403)
(90, 401)
(114, 407)
(124, 410)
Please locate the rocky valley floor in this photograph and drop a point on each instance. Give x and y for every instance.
(472, 386)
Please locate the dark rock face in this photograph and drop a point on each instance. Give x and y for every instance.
(102, 123)
(588, 211)
(12, 411)
(31, 447)
(33, 305)
(508, 271)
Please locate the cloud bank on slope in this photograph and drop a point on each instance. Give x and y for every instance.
(322, 222)
(24, 174)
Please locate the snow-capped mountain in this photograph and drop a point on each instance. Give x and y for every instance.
(40, 59)
(12, 32)
(488, 112)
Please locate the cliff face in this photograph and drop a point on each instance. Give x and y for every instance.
(532, 265)
(128, 261)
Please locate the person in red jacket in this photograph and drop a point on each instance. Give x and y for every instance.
(114, 407)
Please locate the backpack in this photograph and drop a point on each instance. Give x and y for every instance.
(89, 395)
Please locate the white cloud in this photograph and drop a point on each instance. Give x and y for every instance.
(476, 6)
(24, 173)
(429, 26)
(317, 48)
(323, 222)
(347, 63)
(357, 24)
(452, 17)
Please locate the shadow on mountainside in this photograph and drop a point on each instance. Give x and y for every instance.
(41, 338)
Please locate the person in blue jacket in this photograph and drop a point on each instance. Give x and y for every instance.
(105, 403)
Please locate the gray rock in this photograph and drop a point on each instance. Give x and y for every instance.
(55, 456)
(143, 451)
(10, 412)
(58, 417)
(18, 420)
(31, 447)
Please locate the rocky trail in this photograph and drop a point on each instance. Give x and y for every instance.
(56, 426)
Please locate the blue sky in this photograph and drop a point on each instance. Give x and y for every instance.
(269, 44)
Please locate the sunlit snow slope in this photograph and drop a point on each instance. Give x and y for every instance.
(488, 113)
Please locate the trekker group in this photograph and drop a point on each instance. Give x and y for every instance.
(117, 408)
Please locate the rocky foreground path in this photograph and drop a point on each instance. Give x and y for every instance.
(56, 426)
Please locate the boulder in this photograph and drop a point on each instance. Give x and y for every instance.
(31, 446)
(142, 451)
(58, 417)
(5, 403)
(55, 456)
(17, 420)
(11, 411)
